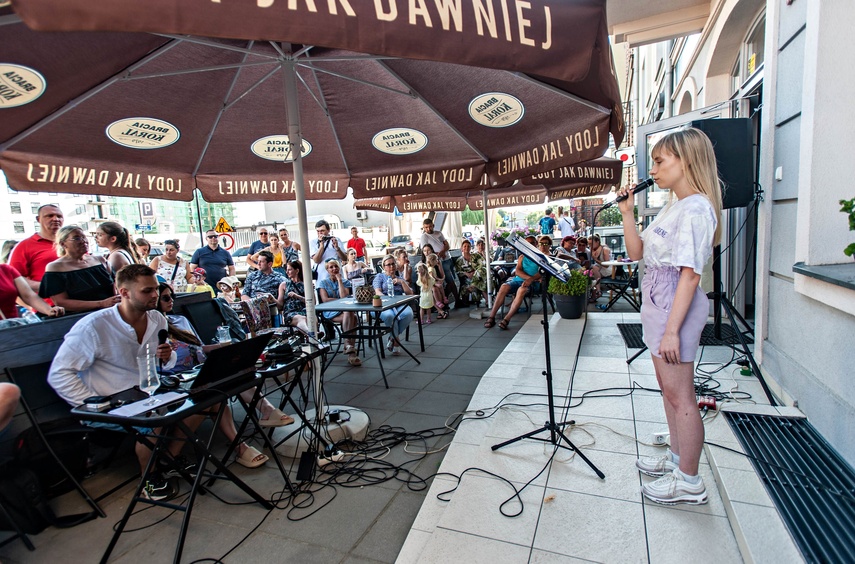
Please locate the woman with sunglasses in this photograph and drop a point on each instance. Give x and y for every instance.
(190, 352)
(78, 281)
(172, 267)
(332, 288)
(527, 275)
(399, 318)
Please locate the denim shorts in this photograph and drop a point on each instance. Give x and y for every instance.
(516, 282)
(658, 289)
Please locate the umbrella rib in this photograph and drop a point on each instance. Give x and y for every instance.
(71, 104)
(258, 83)
(198, 69)
(323, 104)
(436, 112)
(564, 93)
(247, 53)
(312, 67)
(209, 43)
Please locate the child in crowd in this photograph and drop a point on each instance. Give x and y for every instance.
(198, 284)
(435, 270)
(229, 289)
(426, 282)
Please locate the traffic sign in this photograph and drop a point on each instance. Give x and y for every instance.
(223, 226)
(227, 241)
(141, 227)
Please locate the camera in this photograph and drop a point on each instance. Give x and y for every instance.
(326, 237)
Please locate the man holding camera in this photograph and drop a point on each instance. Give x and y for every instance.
(325, 247)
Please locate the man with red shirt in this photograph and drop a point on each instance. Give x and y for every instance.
(31, 256)
(358, 243)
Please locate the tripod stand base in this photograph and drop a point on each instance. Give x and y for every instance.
(556, 436)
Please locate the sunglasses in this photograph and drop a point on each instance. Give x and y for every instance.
(262, 232)
(212, 237)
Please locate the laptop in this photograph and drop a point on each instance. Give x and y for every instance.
(227, 366)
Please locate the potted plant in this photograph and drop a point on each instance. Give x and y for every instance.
(571, 297)
(848, 207)
(376, 301)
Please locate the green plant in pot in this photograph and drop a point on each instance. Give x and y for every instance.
(848, 207)
(571, 297)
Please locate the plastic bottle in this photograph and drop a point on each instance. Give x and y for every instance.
(30, 317)
(390, 287)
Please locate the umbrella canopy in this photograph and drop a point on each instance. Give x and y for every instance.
(135, 114)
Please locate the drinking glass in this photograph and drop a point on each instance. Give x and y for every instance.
(149, 380)
(224, 336)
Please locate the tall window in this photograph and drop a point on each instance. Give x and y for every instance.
(18, 226)
(34, 207)
(15, 206)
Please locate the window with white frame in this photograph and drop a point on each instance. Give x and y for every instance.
(15, 207)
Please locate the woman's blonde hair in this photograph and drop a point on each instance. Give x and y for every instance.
(62, 236)
(695, 150)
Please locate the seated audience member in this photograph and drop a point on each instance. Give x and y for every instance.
(332, 288)
(77, 280)
(97, 358)
(354, 268)
(292, 297)
(582, 256)
(527, 274)
(599, 255)
(402, 261)
(472, 273)
(264, 280)
(10, 395)
(190, 351)
(399, 318)
(229, 289)
(143, 248)
(276, 251)
(14, 286)
(199, 284)
(567, 249)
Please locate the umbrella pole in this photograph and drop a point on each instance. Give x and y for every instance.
(487, 251)
(197, 195)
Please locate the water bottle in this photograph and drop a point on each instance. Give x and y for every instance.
(390, 288)
(30, 317)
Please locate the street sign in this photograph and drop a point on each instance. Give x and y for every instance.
(227, 241)
(223, 226)
(141, 227)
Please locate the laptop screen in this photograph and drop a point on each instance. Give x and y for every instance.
(225, 364)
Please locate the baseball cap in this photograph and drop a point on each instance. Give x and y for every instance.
(200, 271)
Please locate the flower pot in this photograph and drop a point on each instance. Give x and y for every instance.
(570, 307)
(377, 302)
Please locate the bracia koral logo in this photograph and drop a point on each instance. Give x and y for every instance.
(143, 133)
(19, 85)
(278, 148)
(400, 141)
(496, 109)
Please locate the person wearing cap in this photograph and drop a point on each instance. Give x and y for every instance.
(199, 284)
(215, 260)
(229, 289)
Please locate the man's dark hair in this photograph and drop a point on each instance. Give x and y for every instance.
(548, 211)
(266, 254)
(427, 221)
(322, 223)
(131, 273)
(43, 206)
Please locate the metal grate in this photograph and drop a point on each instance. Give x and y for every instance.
(811, 485)
(631, 333)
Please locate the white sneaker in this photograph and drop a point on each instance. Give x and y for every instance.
(396, 351)
(655, 466)
(390, 346)
(671, 489)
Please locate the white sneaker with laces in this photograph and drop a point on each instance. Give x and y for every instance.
(655, 466)
(671, 489)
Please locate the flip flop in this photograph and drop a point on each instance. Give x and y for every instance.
(251, 457)
(276, 419)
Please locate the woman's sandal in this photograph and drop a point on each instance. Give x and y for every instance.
(441, 314)
(490, 323)
(251, 457)
(276, 419)
(503, 324)
(354, 360)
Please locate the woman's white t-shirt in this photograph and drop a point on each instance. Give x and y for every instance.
(681, 235)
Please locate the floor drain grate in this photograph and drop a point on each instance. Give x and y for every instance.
(811, 485)
(631, 333)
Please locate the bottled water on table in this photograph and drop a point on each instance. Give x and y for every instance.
(390, 288)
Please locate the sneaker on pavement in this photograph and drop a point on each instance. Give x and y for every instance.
(160, 488)
(655, 466)
(671, 489)
(171, 469)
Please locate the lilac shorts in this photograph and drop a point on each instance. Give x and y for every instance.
(657, 292)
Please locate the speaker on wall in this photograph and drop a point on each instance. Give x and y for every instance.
(733, 144)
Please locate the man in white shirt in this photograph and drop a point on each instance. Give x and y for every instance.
(325, 247)
(97, 357)
(566, 224)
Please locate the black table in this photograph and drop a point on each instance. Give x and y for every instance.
(375, 331)
(172, 415)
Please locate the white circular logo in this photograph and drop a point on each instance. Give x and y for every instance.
(19, 85)
(496, 109)
(277, 148)
(400, 141)
(143, 133)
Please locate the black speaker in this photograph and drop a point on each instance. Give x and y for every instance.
(733, 144)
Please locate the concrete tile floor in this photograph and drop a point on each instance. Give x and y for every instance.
(568, 514)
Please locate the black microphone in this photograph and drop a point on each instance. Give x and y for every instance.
(161, 339)
(640, 187)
